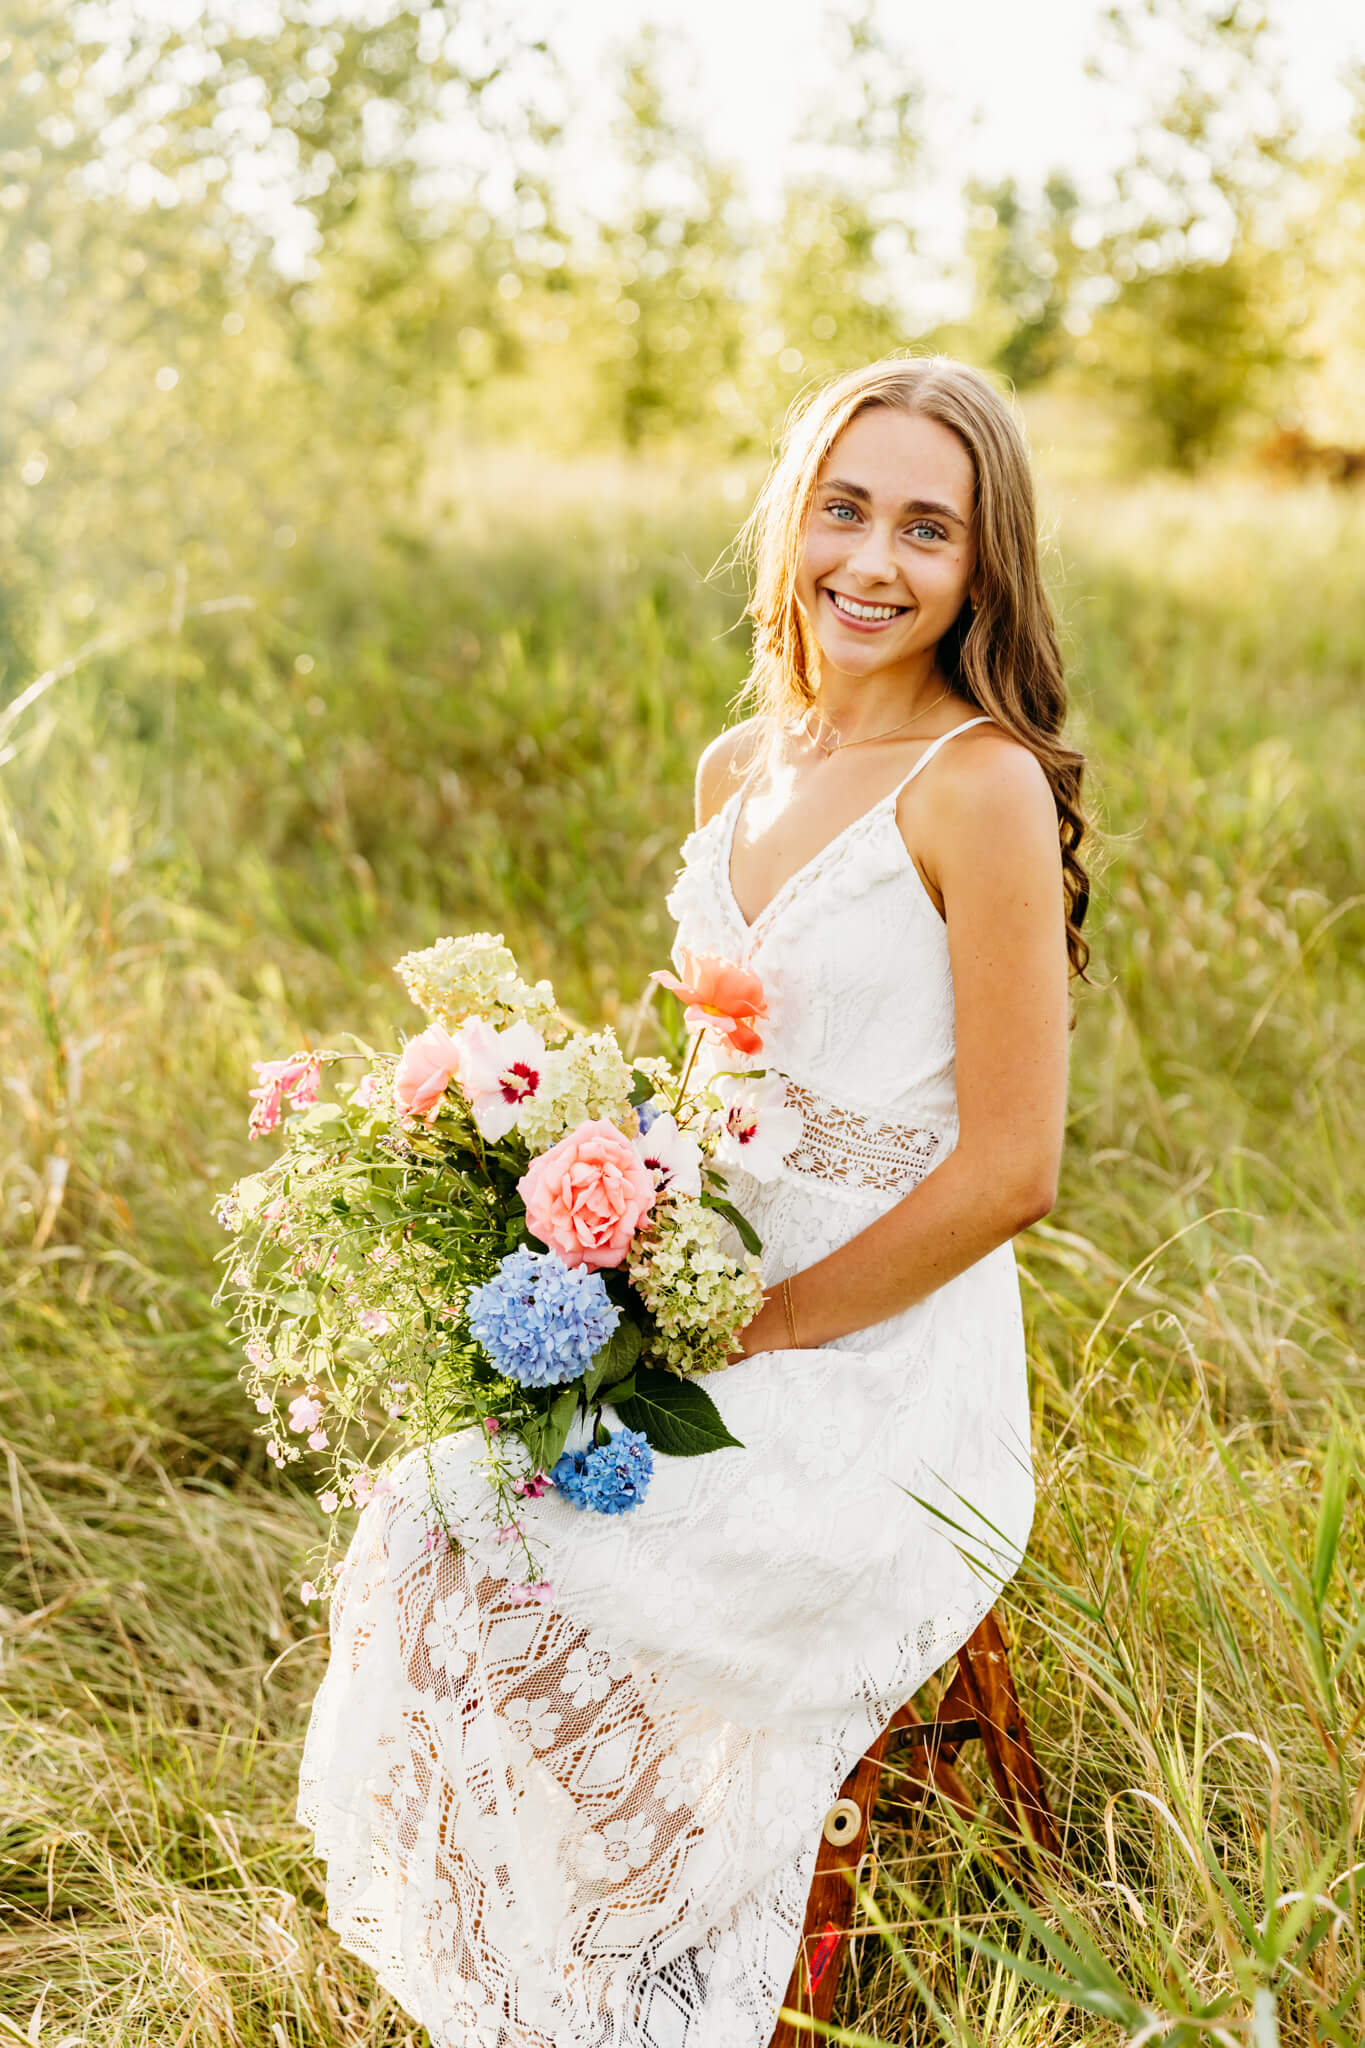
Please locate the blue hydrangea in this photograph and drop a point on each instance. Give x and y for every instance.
(610, 1478)
(540, 1321)
(648, 1113)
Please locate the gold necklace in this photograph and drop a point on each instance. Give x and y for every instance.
(840, 745)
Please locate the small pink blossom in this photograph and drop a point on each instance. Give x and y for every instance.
(362, 1095)
(375, 1321)
(257, 1353)
(491, 1424)
(305, 1412)
(536, 1594)
(428, 1065)
(362, 1487)
(435, 1539)
(532, 1487)
(263, 1404)
(328, 1502)
(272, 1450)
(308, 1592)
(318, 1440)
(505, 1531)
(275, 1217)
(297, 1077)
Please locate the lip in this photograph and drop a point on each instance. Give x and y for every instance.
(861, 625)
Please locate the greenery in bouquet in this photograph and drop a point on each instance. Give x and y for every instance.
(508, 1226)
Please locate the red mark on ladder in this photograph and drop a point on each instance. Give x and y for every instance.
(823, 1953)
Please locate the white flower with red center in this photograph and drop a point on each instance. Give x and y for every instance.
(499, 1071)
(671, 1156)
(757, 1130)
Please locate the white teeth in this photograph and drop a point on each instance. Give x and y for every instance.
(863, 611)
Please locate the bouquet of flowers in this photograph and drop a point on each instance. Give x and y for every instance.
(506, 1225)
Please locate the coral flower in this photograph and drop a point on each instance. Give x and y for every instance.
(721, 998)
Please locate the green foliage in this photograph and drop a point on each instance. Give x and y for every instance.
(1025, 265)
(1195, 320)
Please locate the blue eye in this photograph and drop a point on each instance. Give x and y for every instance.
(840, 505)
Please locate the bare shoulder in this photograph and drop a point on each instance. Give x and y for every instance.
(725, 763)
(985, 773)
(985, 803)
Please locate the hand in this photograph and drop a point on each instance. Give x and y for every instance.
(766, 1330)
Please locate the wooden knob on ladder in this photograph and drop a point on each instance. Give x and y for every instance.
(842, 1823)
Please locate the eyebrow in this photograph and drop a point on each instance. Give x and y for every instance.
(834, 483)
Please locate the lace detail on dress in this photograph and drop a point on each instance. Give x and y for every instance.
(855, 1151)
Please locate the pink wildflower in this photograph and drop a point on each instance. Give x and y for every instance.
(535, 1594)
(362, 1095)
(263, 1404)
(532, 1487)
(318, 1440)
(305, 1412)
(328, 1502)
(505, 1531)
(375, 1321)
(308, 1592)
(297, 1077)
(362, 1487)
(272, 1450)
(491, 1424)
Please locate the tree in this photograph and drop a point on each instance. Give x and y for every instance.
(1196, 327)
(1025, 265)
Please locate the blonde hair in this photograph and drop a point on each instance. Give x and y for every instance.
(1001, 653)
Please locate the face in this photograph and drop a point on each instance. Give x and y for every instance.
(890, 529)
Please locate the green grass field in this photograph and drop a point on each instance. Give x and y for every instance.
(220, 831)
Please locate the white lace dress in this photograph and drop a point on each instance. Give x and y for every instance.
(593, 1824)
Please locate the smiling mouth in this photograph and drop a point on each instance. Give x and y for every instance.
(863, 614)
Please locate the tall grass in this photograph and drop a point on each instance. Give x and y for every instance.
(218, 833)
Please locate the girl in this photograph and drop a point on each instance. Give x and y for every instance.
(592, 1824)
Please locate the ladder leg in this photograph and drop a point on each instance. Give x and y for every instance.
(984, 1667)
(829, 1909)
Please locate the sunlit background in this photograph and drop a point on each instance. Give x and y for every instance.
(380, 391)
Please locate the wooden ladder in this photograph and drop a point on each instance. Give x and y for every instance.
(979, 1703)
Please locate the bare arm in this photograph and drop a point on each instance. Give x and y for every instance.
(989, 829)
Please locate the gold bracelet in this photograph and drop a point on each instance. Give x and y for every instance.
(790, 1314)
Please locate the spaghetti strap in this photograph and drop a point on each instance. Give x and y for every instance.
(929, 752)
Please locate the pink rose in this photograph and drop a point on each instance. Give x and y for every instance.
(428, 1066)
(586, 1196)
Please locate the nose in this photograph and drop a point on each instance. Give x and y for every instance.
(873, 560)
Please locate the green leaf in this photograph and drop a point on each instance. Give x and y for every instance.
(555, 1427)
(615, 1361)
(676, 1416)
(641, 1089)
(317, 1117)
(748, 1236)
(1331, 1510)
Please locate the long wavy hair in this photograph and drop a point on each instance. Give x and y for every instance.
(1001, 653)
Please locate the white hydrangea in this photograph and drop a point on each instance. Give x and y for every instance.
(697, 1293)
(584, 1079)
(474, 976)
